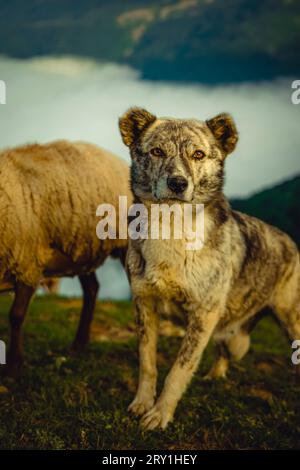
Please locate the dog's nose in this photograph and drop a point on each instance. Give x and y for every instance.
(177, 184)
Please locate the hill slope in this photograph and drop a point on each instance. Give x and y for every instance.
(198, 40)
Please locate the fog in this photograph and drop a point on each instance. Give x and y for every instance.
(77, 99)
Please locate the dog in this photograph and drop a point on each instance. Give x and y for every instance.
(244, 267)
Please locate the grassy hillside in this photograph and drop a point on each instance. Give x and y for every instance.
(199, 40)
(65, 402)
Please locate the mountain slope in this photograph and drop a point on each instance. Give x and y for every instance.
(193, 40)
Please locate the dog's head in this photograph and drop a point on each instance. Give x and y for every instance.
(179, 159)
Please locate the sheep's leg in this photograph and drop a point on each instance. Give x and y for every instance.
(122, 256)
(23, 294)
(120, 253)
(90, 287)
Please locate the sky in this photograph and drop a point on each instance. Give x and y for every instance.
(78, 99)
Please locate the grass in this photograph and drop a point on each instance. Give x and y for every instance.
(65, 402)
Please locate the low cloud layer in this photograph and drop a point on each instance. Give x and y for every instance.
(51, 98)
(77, 99)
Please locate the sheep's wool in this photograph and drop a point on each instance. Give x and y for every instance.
(48, 200)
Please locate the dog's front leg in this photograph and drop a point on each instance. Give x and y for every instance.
(147, 325)
(199, 330)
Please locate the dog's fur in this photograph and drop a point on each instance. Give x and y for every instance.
(244, 267)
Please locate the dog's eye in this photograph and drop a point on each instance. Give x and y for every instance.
(157, 152)
(198, 154)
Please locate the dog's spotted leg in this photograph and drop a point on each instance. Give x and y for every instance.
(220, 366)
(234, 347)
(199, 331)
(147, 326)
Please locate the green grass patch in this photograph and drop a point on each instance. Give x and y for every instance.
(67, 402)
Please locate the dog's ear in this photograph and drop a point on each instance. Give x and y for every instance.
(224, 129)
(133, 123)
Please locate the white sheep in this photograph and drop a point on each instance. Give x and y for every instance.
(48, 199)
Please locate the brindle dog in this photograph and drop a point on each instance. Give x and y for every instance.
(244, 267)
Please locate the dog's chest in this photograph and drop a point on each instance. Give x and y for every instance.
(164, 268)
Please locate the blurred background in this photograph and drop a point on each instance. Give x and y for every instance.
(72, 67)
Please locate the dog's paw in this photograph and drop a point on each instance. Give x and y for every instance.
(210, 377)
(218, 370)
(140, 405)
(157, 417)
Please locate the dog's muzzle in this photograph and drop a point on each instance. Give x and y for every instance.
(177, 184)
